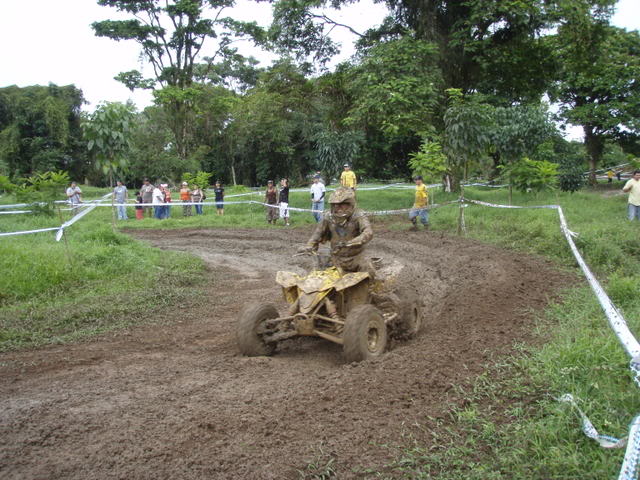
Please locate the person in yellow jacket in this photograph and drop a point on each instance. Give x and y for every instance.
(420, 205)
(348, 178)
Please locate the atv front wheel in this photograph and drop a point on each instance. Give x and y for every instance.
(411, 315)
(365, 334)
(250, 342)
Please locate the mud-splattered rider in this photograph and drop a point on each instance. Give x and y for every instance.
(348, 229)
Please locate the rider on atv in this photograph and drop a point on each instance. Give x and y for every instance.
(348, 230)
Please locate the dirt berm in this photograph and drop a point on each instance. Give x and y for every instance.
(176, 401)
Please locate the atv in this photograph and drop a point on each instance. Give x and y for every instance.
(350, 309)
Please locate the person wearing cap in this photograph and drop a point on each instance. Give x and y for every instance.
(420, 205)
(271, 198)
(348, 178)
(317, 197)
(185, 197)
(120, 198)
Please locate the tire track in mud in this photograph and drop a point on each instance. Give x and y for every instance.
(177, 401)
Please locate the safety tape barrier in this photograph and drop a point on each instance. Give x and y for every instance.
(629, 469)
(605, 441)
(14, 212)
(84, 210)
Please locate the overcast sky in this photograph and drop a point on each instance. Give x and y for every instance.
(46, 41)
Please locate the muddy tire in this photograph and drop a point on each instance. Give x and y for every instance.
(249, 342)
(365, 334)
(410, 315)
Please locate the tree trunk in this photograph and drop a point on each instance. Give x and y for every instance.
(595, 147)
(233, 175)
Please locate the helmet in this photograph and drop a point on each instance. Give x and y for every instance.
(342, 196)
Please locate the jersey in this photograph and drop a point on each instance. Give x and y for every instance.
(422, 196)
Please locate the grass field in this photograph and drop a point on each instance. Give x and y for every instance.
(512, 426)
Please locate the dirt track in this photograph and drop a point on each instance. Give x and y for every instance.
(177, 401)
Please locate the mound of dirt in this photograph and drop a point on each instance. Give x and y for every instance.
(178, 401)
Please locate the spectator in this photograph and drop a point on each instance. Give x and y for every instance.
(619, 175)
(633, 188)
(167, 200)
(197, 197)
(74, 195)
(317, 197)
(185, 197)
(271, 198)
(147, 196)
(610, 175)
(348, 178)
(219, 193)
(139, 207)
(120, 197)
(420, 205)
(284, 201)
(157, 201)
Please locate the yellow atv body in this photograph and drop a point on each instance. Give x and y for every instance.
(345, 308)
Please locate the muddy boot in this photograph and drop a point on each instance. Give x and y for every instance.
(414, 228)
(426, 227)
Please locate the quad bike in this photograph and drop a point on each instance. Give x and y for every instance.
(350, 309)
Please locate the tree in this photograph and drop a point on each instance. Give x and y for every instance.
(40, 130)
(172, 35)
(598, 87)
(466, 134)
(108, 135)
(334, 149)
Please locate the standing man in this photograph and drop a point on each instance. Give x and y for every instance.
(147, 196)
(284, 200)
(420, 205)
(610, 175)
(120, 197)
(348, 178)
(633, 188)
(271, 198)
(74, 195)
(317, 198)
(157, 200)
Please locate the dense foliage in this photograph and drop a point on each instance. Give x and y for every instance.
(389, 110)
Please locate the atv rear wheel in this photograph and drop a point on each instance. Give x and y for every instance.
(411, 315)
(365, 334)
(250, 342)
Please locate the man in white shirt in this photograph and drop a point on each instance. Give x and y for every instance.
(317, 198)
(74, 194)
(633, 188)
(157, 201)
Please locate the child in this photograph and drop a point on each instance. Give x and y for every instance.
(139, 210)
(420, 205)
(219, 192)
(284, 201)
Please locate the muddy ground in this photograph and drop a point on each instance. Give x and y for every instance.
(176, 400)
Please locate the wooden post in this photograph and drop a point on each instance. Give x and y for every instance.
(461, 226)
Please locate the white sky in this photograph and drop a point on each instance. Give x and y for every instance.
(46, 41)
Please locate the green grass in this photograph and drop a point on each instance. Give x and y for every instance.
(51, 292)
(511, 426)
